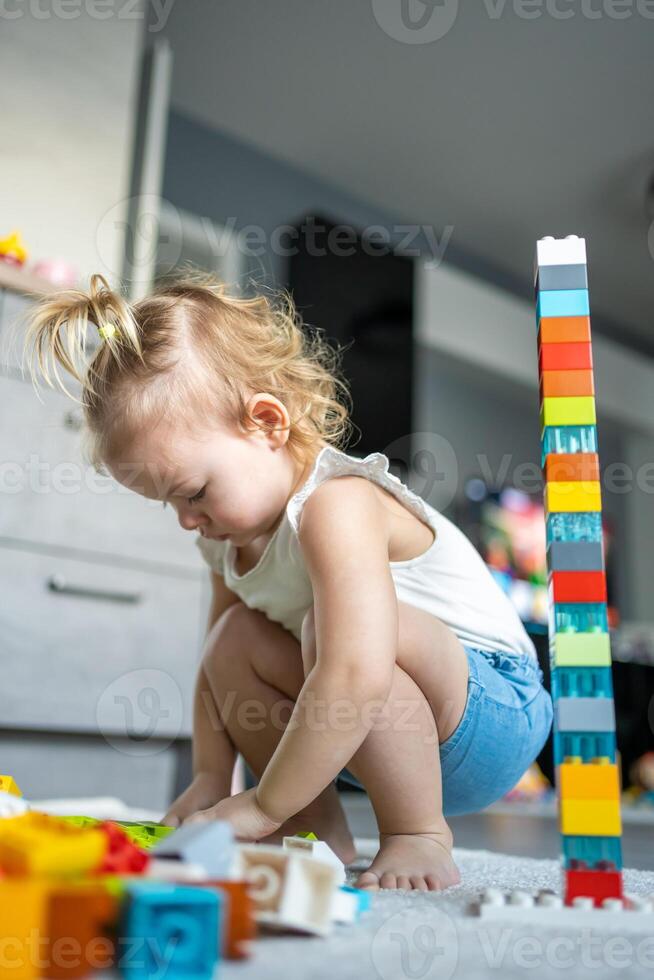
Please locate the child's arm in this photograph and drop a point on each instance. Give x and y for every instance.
(344, 540)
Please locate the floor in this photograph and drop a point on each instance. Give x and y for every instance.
(529, 833)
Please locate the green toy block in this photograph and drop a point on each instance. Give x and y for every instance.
(580, 650)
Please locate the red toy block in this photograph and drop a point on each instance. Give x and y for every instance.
(79, 921)
(565, 357)
(239, 924)
(564, 329)
(566, 384)
(577, 586)
(597, 885)
(122, 855)
(571, 467)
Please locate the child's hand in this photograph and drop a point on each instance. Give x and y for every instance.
(203, 792)
(243, 812)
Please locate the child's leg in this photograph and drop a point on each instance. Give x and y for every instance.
(253, 668)
(399, 762)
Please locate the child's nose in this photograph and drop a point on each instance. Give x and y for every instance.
(188, 520)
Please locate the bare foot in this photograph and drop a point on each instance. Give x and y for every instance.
(326, 819)
(422, 861)
(205, 790)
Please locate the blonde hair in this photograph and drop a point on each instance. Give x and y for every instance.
(188, 351)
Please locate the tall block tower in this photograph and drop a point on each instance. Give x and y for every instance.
(587, 778)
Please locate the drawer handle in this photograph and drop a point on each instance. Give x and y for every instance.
(57, 583)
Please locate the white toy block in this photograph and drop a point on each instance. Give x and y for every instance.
(209, 844)
(634, 914)
(290, 890)
(560, 251)
(345, 908)
(317, 849)
(11, 805)
(166, 870)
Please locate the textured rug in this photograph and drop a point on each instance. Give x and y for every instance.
(432, 936)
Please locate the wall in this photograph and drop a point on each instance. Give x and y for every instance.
(67, 96)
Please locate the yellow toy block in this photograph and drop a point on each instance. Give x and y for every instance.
(578, 496)
(568, 410)
(590, 818)
(8, 785)
(37, 844)
(588, 781)
(23, 914)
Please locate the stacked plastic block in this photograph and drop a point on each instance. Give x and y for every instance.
(587, 775)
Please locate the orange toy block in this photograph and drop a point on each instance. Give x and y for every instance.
(564, 330)
(588, 781)
(566, 384)
(565, 357)
(239, 926)
(23, 915)
(80, 917)
(571, 467)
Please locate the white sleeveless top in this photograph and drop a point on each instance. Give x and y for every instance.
(449, 580)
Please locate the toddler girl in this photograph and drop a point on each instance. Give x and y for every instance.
(352, 627)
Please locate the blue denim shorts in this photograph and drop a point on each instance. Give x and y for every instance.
(505, 724)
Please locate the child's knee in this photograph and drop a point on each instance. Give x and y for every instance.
(228, 640)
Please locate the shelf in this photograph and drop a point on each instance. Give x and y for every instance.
(20, 280)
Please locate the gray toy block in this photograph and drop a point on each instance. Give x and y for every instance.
(562, 277)
(209, 844)
(584, 715)
(575, 556)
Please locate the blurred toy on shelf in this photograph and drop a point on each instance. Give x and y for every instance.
(532, 787)
(12, 249)
(641, 774)
(57, 271)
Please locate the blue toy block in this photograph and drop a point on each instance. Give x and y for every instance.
(561, 277)
(579, 526)
(362, 897)
(584, 715)
(562, 302)
(580, 617)
(569, 439)
(575, 556)
(592, 853)
(169, 932)
(209, 844)
(583, 745)
(582, 682)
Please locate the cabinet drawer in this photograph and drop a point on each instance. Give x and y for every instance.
(95, 648)
(48, 495)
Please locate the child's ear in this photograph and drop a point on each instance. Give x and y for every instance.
(269, 415)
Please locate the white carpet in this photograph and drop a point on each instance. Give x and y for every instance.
(420, 936)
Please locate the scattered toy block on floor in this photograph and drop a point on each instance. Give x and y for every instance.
(239, 926)
(598, 885)
(38, 844)
(81, 917)
(317, 849)
(210, 844)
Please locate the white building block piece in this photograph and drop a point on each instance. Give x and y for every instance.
(317, 849)
(209, 844)
(165, 869)
(345, 907)
(290, 890)
(545, 909)
(560, 251)
(12, 806)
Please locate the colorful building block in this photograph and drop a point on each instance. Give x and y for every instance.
(631, 914)
(591, 818)
(584, 714)
(562, 277)
(575, 556)
(576, 497)
(239, 926)
(571, 467)
(598, 885)
(569, 439)
(583, 745)
(11, 805)
(582, 526)
(23, 913)
(565, 330)
(582, 682)
(209, 844)
(37, 844)
(568, 411)
(602, 853)
(584, 650)
(579, 617)
(317, 849)
(559, 251)
(349, 904)
(562, 302)
(577, 586)
(9, 785)
(588, 781)
(122, 855)
(564, 357)
(81, 917)
(562, 384)
(175, 929)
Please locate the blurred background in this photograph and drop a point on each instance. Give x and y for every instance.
(391, 163)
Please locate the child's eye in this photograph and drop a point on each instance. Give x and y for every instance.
(199, 495)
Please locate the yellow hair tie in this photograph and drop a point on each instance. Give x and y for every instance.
(107, 331)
